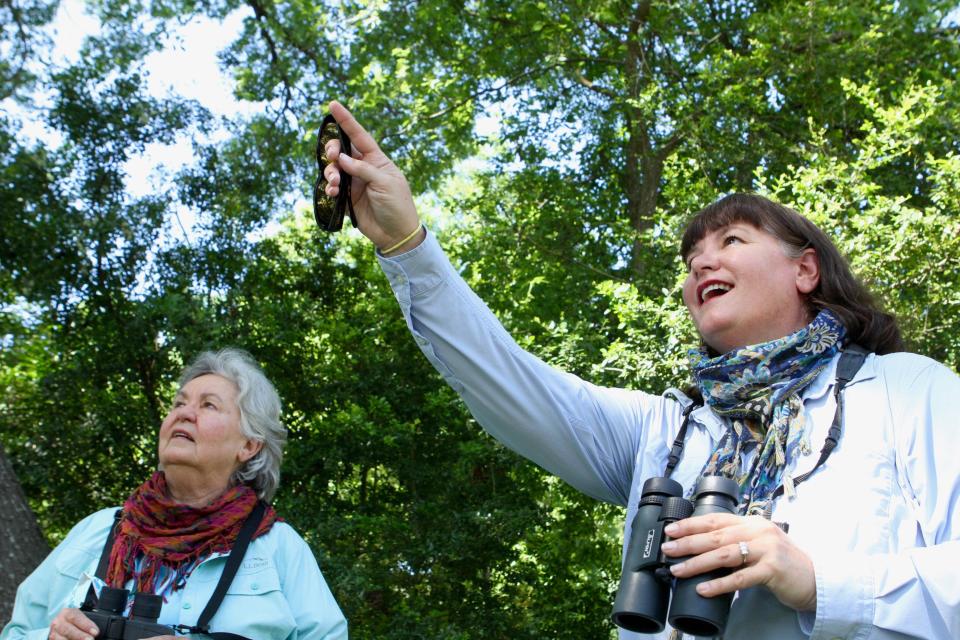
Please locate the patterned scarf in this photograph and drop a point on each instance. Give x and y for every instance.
(161, 541)
(757, 390)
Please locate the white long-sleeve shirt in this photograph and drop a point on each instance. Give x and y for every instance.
(880, 520)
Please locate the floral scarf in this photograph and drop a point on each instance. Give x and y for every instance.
(757, 391)
(160, 541)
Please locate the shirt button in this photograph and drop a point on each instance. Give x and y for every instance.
(186, 605)
(254, 586)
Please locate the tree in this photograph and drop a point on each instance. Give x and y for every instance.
(613, 121)
(23, 544)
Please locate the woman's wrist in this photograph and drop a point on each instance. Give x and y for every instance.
(406, 243)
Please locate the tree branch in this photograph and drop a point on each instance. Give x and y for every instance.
(24, 47)
(589, 84)
(262, 19)
(472, 97)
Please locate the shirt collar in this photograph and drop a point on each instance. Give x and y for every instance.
(827, 379)
(702, 415)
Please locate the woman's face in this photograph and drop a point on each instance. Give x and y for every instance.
(200, 438)
(742, 288)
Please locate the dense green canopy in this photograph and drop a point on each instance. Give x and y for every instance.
(602, 126)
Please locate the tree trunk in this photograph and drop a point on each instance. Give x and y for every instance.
(22, 546)
(645, 155)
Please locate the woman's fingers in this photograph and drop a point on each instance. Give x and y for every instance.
(705, 533)
(71, 624)
(332, 149)
(356, 168)
(727, 556)
(332, 174)
(332, 171)
(755, 552)
(735, 581)
(359, 168)
(359, 137)
(702, 524)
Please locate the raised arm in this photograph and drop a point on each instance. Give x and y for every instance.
(596, 438)
(588, 435)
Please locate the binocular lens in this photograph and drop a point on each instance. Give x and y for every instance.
(146, 606)
(637, 624)
(113, 600)
(697, 626)
(641, 604)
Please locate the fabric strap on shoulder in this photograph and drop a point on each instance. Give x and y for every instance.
(104, 564)
(90, 600)
(676, 451)
(229, 571)
(850, 362)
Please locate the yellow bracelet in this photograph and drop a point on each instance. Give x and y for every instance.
(404, 241)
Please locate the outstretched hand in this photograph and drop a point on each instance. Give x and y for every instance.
(381, 196)
(772, 559)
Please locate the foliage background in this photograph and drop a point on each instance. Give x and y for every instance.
(615, 121)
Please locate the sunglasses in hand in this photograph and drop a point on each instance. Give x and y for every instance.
(329, 211)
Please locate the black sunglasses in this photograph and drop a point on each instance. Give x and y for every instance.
(329, 211)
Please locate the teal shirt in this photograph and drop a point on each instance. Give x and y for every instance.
(277, 594)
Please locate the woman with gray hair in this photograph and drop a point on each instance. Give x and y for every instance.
(259, 407)
(220, 449)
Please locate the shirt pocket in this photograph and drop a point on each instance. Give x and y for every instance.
(74, 566)
(255, 606)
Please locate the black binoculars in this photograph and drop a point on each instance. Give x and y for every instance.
(646, 583)
(107, 614)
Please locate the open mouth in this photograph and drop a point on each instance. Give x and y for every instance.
(181, 434)
(713, 290)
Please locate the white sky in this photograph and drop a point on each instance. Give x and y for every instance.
(188, 66)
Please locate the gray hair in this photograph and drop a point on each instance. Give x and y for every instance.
(259, 405)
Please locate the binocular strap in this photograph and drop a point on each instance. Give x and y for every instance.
(90, 601)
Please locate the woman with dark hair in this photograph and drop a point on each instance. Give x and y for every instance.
(219, 453)
(857, 538)
(838, 289)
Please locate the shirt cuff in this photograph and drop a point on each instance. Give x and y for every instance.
(845, 596)
(420, 269)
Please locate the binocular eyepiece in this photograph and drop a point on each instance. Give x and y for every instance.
(108, 615)
(646, 583)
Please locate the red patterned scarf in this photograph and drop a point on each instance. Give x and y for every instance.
(171, 537)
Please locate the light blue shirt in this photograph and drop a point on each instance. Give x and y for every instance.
(880, 520)
(277, 594)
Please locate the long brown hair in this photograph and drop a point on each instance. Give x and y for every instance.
(838, 290)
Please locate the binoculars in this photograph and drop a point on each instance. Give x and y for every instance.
(107, 614)
(646, 584)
